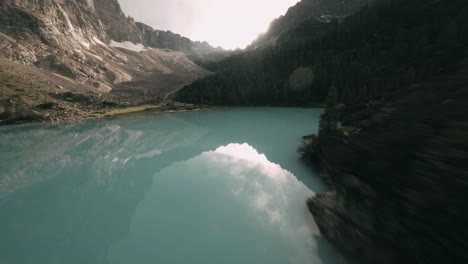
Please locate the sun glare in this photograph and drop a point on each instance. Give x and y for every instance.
(229, 24)
(233, 24)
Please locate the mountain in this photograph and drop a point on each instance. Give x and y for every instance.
(277, 68)
(392, 141)
(63, 58)
(305, 10)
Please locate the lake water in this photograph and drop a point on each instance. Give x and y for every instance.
(221, 186)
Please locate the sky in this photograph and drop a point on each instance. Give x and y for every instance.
(226, 23)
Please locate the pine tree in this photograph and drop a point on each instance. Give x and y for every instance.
(346, 95)
(448, 37)
(329, 120)
(462, 25)
(400, 46)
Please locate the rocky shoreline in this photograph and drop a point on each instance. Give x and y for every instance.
(61, 117)
(348, 237)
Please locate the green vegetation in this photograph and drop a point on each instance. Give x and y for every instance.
(397, 157)
(368, 55)
(392, 138)
(261, 77)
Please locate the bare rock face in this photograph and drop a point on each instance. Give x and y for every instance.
(168, 40)
(75, 24)
(118, 26)
(90, 46)
(345, 230)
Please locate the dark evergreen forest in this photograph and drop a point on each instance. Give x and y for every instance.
(393, 80)
(368, 55)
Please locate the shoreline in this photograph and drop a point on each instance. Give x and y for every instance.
(147, 109)
(106, 113)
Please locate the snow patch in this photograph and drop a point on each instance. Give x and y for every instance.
(128, 46)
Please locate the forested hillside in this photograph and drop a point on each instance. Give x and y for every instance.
(393, 135)
(261, 77)
(367, 55)
(277, 69)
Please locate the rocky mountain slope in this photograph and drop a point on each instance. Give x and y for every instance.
(87, 48)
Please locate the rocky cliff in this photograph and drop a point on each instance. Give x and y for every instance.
(87, 47)
(168, 40)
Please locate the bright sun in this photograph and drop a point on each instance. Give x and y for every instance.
(226, 23)
(233, 24)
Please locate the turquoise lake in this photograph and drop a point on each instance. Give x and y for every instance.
(220, 186)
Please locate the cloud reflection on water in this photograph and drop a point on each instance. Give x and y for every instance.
(231, 195)
(166, 198)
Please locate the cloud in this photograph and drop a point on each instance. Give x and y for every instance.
(232, 201)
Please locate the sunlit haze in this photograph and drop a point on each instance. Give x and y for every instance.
(229, 24)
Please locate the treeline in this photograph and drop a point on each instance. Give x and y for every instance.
(405, 51)
(367, 55)
(259, 77)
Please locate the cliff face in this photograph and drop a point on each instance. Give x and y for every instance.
(91, 47)
(85, 19)
(168, 40)
(118, 26)
(31, 27)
